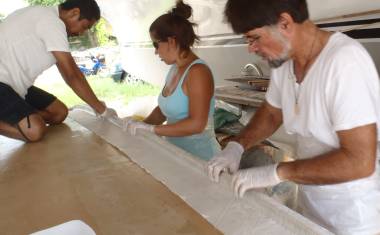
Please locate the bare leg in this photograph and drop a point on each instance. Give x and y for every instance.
(30, 131)
(55, 113)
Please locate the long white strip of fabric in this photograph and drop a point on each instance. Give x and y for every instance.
(185, 176)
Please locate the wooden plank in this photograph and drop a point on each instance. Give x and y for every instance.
(237, 95)
(74, 174)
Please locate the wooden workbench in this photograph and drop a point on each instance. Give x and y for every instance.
(72, 174)
(242, 96)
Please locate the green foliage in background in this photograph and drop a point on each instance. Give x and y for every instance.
(44, 2)
(104, 38)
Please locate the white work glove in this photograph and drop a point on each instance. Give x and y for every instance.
(257, 177)
(108, 113)
(131, 126)
(229, 159)
(126, 121)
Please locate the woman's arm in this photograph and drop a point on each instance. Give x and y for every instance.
(199, 87)
(155, 117)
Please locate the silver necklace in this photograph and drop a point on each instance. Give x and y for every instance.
(297, 87)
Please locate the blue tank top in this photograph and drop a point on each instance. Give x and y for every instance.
(175, 107)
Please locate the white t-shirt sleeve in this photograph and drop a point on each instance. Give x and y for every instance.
(273, 94)
(53, 34)
(352, 97)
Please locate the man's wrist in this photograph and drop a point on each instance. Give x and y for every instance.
(100, 107)
(283, 171)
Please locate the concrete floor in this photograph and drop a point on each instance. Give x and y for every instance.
(73, 174)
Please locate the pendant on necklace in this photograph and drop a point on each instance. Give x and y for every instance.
(296, 109)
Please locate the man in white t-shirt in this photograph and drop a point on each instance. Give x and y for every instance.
(32, 40)
(324, 89)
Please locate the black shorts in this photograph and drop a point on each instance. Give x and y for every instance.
(13, 108)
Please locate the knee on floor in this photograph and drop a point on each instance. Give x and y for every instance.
(36, 130)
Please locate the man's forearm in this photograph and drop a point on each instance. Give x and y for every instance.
(355, 159)
(81, 87)
(331, 168)
(263, 124)
(76, 80)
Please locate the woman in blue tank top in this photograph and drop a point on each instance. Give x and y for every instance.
(186, 102)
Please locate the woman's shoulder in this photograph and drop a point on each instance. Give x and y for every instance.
(199, 66)
(199, 69)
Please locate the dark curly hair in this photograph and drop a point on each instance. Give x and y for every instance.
(245, 15)
(89, 9)
(175, 24)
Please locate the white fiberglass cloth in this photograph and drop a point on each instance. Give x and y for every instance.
(184, 175)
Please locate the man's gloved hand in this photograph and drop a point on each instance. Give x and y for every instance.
(229, 159)
(257, 177)
(109, 113)
(131, 126)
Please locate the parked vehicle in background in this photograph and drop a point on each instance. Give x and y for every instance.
(98, 63)
(107, 64)
(117, 73)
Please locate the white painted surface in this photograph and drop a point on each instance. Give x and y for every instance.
(8, 6)
(73, 227)
(131, 19)
(131, 23)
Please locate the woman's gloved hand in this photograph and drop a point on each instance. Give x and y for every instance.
(126, 121)
(131, 126)
(257, 177)
(229, 159)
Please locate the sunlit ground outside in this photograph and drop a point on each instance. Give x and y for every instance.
(116, 95)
